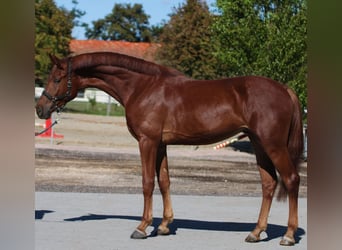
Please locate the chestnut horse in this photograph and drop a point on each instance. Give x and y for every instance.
(165, 107)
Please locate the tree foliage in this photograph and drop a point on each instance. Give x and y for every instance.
(53, 33)
(126, 22)
(186, 41)
(264, 37)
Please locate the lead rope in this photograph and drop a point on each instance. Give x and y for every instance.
(46, 129)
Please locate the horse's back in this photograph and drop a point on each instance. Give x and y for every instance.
(238, 93)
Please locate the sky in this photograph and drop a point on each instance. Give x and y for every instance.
(158, 10)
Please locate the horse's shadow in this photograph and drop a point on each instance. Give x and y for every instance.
(242, 146)
(39, 214)
(273, 231)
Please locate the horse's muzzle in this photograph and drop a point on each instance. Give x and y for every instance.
(42, 113)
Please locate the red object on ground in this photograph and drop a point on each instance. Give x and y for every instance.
(48, 133)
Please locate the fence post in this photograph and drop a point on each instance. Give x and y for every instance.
(108, 105)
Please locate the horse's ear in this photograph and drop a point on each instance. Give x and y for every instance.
(55, 61)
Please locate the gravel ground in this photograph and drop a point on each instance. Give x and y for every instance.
(97, 154)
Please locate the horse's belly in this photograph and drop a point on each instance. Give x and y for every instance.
(202, 122)
(197, 137)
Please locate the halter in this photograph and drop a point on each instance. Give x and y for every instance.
(63, 97)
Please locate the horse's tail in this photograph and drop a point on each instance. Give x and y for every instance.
(295, 139)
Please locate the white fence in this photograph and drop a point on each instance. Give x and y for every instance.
(101, 96)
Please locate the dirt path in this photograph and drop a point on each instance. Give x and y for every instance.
(97, 154)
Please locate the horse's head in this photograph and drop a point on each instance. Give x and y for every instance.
(59, 89)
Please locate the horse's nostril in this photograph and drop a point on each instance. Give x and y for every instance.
(39, 111)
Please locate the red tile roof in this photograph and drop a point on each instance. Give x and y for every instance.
(141, 50)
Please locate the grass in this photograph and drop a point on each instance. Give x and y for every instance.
(96, 109)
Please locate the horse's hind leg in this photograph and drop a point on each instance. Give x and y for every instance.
(290, 177)
(164, 185)
(269, 182)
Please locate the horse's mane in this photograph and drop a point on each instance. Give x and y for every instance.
(134, 64)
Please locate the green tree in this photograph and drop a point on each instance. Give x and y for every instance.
(53, 33)
(264, 37)
(186, 41)
(126, 22)
(239, 31)
(284, 55)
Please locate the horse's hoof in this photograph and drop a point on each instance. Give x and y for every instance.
(137, 234)
(287, 241)
(163, 231)
(251, 238)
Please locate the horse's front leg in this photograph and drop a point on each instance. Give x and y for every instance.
(148, 154)
(164, 185)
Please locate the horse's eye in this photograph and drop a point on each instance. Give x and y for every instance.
(57, 80)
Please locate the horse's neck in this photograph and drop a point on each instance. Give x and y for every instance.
(117, 82)
(119, 75)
